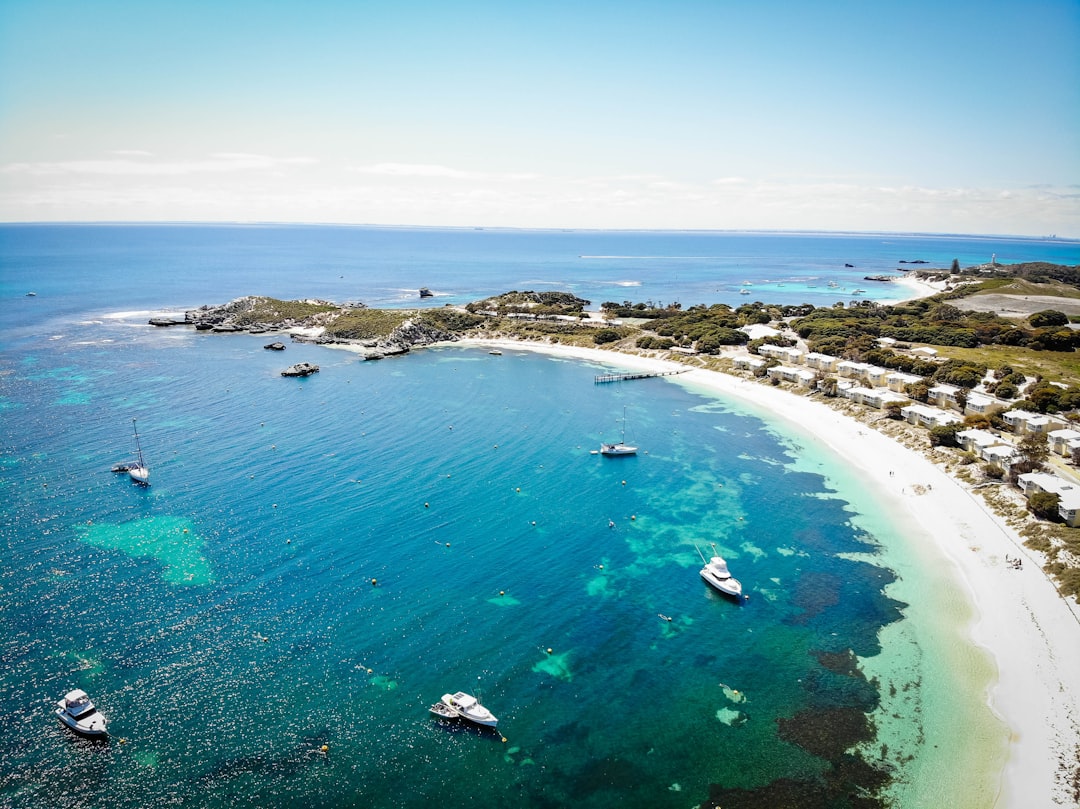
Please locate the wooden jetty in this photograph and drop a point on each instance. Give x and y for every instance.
(623, 377)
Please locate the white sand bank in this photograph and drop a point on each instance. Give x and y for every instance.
(1032, 633)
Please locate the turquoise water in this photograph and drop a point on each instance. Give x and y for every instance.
(318, 560)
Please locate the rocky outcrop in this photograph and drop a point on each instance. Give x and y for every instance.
(408, 335)
(275, 346)
(258, 315)
(301, 369)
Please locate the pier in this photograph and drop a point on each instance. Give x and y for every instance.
(623, 377)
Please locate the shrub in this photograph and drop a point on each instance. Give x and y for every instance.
(1044, 505)
(605, 336)
(944, 435)
(1048, 317)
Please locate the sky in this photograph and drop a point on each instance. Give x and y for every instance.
(932, 116)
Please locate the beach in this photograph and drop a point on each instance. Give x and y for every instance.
(1030, 633)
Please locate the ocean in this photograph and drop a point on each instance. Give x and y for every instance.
(318, 560)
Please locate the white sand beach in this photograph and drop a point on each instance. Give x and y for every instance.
(1032, 634)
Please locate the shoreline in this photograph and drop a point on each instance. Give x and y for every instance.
(1030, 632)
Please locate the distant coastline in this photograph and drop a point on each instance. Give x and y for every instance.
(254, 223)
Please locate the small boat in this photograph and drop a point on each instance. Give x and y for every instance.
(717, 575)
(138, 471)
(274, 346)
(31, 294)
(621, 448)
(465, 706)
(426, 293)
(744, 291)
(445, 711)
(77, 712)
(496, 352)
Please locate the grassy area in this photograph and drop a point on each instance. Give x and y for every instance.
(1018, 286)
(272, 310)
(1057, 366)
(368, 324)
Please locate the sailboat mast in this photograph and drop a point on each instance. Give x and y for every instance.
(138, 444)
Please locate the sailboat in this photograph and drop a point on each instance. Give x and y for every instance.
(622, 448)
(138, 470)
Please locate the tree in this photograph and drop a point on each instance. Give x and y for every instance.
(605, 336)
(1048, 317)
(892, 410)
(944, 435)
(1034, 450)
(955, 265)
(1005, 390)
(917, 391)
(1044, 505)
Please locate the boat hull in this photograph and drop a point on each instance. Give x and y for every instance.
(466, 707)
(93, 730)
(617, 449)
(728, 587)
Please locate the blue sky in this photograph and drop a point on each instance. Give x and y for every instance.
(917, 116)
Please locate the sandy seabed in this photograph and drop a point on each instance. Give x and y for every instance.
(1030, 634)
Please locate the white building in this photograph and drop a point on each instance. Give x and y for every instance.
(977, 440)
(802, 377)
(1068, 493)
(1063, 442)
(749, 363)
(792, 355)
(1003, 455)
(823, 362)
(897, 380)
(926, 416)
(1021, 422)
(943, 395)
(875, 397)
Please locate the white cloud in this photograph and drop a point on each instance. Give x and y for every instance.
(223, 162)
(434, 171)
(414, 170)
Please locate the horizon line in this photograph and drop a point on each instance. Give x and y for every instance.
(774, 231)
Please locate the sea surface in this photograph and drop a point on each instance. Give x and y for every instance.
(318, 560)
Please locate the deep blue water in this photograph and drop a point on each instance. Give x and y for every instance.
(226, 619)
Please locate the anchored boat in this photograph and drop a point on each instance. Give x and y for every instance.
(460, 705)
(77, 712)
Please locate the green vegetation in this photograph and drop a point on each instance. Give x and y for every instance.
(531, 303)
(250, 311)
(367, 324)
(454, 321)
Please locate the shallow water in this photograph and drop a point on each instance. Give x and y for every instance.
(318, 560)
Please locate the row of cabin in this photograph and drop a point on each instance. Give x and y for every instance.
(889, 387)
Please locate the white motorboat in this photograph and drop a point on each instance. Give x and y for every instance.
(138, 471)
(621, 448)
(466, 706)
(77, 712)
(717, 575)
